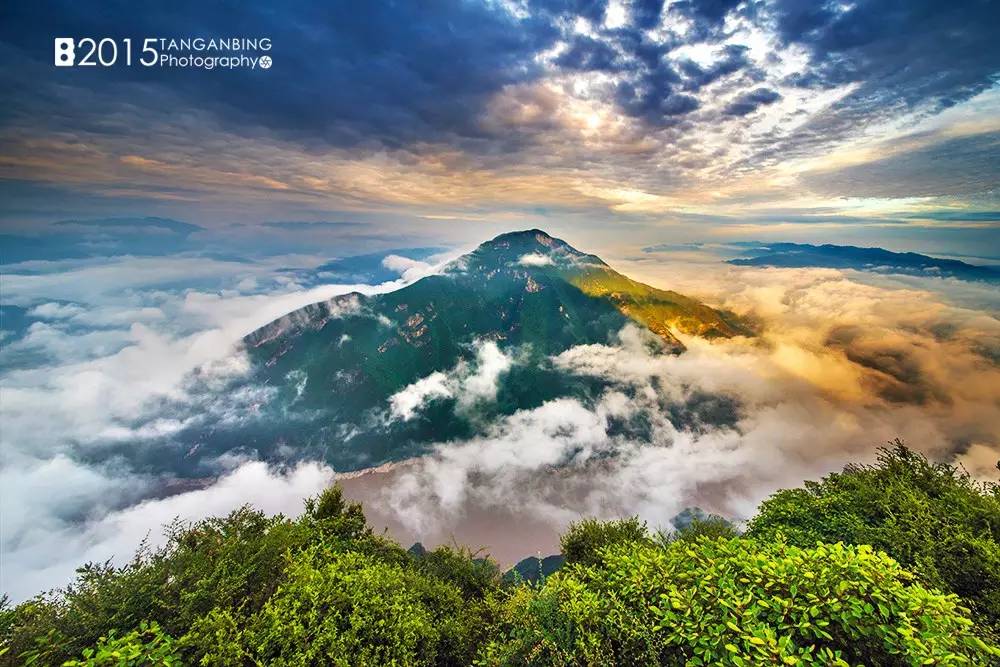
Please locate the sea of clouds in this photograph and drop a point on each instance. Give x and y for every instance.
(840, 368)
(845, 362)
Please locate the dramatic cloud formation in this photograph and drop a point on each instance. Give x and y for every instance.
(845, 360)
(638, 110)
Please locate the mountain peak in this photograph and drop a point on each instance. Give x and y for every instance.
(526, 234)
(531, 239)
(527, 248)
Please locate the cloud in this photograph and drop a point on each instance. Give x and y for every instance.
(145, 224)
(748, 102)
(406, 402)
(114, 365)
(296, 226)
(408, 269)
(467, 383)
(482, 383)
(699, 105)
(841, 367)
(45, 540)
(388, 56)
(897, 54)
(56, 311)
(534, 259)
(944, 166)
(980, 461)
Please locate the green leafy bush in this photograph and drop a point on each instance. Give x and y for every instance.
(345, 608)
(583, 541)
(735, 602)
(475, 576)
(322, 589)
(146, 646)
(270, 590)
(349, 609)
(234, 561)
(932, 518)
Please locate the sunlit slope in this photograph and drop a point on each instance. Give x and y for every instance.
(656, 309)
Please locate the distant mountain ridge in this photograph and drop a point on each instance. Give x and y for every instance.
(796, 255)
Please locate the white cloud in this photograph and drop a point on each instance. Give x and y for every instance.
(59, 343)
(408, 401)
(47, 547)
(841, 367)
(56, 311)
(468, 383)
(408, 269)
(534, 259)
(483, 382)
(981, 461)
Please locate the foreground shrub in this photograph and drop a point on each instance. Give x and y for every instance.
(735, 602)
(932, 518)
(322, 589)
(146, 646)
(349, 609)
(220, 592)
(584, 540)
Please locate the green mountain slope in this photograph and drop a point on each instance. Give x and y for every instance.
(522, 288)
(332, 367)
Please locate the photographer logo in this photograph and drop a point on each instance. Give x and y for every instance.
(65, 56)
(202, 53)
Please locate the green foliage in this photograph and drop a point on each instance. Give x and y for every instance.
(253, 589)
(329, 514)
(932, 518)
(583, 541)
(712, 527)
(346, 608)
(146, 646)
(349, 609)
(322, 589)
(234, 561)
(734, 602)
(474, 576)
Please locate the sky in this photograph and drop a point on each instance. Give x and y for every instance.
(869, 122)
(152, 217)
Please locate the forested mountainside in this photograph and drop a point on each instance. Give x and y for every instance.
(323, 377)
